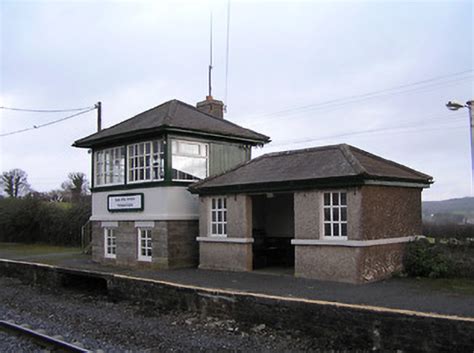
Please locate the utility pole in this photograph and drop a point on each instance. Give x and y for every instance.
(99, 116)
(470, 107)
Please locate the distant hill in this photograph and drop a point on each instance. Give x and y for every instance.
(462, 206)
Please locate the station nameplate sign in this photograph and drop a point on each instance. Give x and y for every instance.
(125, 202)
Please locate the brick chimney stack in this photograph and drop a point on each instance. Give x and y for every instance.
(212, 106)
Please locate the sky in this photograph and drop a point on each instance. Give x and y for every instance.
(373, 74)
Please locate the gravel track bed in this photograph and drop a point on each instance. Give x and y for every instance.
(14, 344)
(99, 323)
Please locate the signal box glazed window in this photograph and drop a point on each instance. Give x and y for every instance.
(145, 161)
(335, 215)
(110, 245)
(189, 160)
(110, 166)
(218, 211)
(145, 250)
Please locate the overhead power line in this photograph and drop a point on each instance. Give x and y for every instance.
(45, 110)
(440, 81)
(48, 123)
(420, 126)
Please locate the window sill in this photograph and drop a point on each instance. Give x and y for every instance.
(143, 181)
(109, 185)
(353, 243)
(144, 259)
(186, 181)
(335, 238)
(224, 239)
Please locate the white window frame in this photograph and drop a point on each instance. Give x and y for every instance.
(202, 147)
(110, 232)
(218, 228)
(104, 170)
(159, 160)
(332, 222)
(148, 233)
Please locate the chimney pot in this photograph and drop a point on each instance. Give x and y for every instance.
(211, 106)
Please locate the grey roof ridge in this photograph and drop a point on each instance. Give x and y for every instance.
(173, 106)
(220, 119)
(401, 166)
(301, 150)
(250, 161)
(352, 160)
(126, 120)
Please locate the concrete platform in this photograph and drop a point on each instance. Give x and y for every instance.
(396, 293)
(338, 324)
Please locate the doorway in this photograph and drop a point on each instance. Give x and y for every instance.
(272, 230)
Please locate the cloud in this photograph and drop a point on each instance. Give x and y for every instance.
(135, 55)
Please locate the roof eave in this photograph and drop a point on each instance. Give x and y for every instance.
(165, 128)
(396, 181)
(288, 185)
(291, 185)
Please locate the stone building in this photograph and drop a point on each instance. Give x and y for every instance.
(331, 213)
(142, 212)
(175, 186)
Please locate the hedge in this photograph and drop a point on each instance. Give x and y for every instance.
(449, 230)
(440, 258)
(30, 220)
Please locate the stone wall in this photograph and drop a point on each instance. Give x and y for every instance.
(239, 216)
(173, 243)
(338, 327)
(351, 264)
(308, 213)
(233, 252)
(307, 205)
(97, 243)
(389, 212)
(225, 256)
(182, 245)
(373, 212)
(328, 263)
(380, 261)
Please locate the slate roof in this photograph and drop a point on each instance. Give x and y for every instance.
(172, 115)
(321, 164)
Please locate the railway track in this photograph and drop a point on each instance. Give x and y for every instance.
(51, 343)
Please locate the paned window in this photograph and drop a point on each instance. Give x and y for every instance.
(144, 245)
(219, 216)
(110, 245)
(189, 160)
(110, 166)
(145, 161)
(335, 215)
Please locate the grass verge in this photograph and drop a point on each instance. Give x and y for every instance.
(8, 250)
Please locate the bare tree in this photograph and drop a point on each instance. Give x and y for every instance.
(56, 195)
(76, 185)
(15, 183)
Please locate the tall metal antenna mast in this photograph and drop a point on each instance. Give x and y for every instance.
(227, 56)
(210, 58)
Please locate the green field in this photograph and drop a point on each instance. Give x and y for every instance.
(34, 249)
